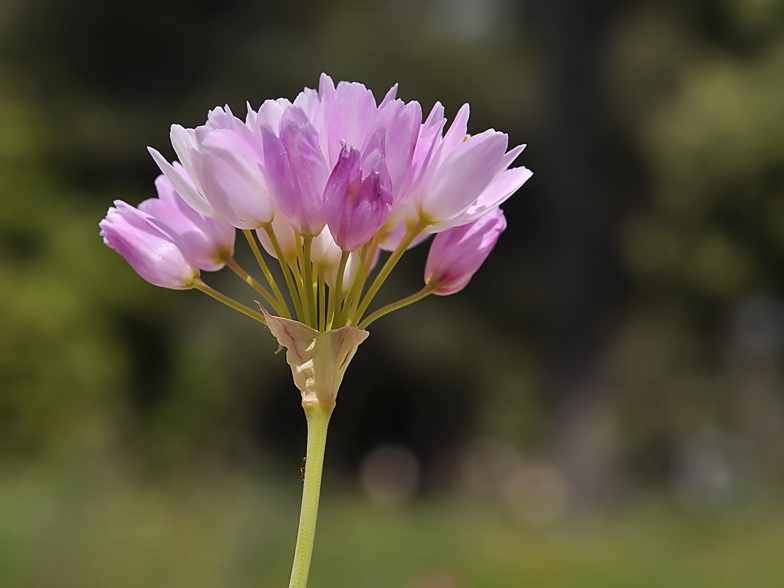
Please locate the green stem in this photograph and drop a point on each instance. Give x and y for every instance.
(250, 280)
(267, 273)
(322, 296)
(411, 234)
(317, 415)
(426, 291)
(297, 269)
(357, 286)
(334, 297)
(308, 283)
(297, 276)
(199, 285)
(284, 266)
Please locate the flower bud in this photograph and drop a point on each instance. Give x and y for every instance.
(154, 252)
(457, 253)
(356, 207)
(326, 255)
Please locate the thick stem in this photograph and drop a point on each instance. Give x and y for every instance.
(317, 415)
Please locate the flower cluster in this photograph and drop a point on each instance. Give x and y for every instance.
(326, 182)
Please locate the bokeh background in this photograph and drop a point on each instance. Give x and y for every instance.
(603, 406)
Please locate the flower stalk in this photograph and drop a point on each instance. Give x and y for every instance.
(284, 268)
(317, 415)
(230, 302)
(253, 283)
(336, 296)
(390, 264)
(267, 273)
(426, 291)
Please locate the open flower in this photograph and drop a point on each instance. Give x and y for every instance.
(296, 171)
(222, 172)
(459, 177)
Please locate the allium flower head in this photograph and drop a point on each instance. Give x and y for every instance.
(327, 181)
(324, 183)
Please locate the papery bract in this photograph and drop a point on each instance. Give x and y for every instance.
(457, 253)
(318, 360)
(154, 252)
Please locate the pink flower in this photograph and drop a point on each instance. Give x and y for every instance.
(301, 159)
(357, 202)
(461, 177)
(223, 174)
(296, 171)
(155, 252)
(208, 241)
(457, 253)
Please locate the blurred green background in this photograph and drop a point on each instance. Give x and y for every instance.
(603, 406)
